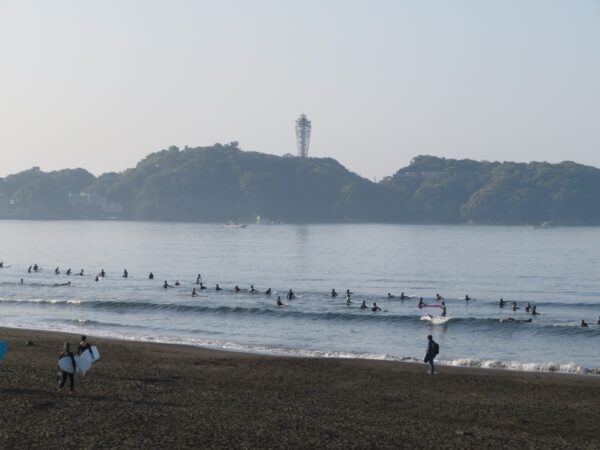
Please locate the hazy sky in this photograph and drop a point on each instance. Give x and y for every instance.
(101, 84)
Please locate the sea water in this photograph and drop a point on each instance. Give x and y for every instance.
(558, 270)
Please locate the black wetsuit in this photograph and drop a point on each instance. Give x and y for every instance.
(66, 375)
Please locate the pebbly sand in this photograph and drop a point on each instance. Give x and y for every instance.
(144, 395)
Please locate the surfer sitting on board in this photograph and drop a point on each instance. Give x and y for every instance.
(391, 296)
(364, 305)
(402, 296)
(438, 297)
(80, 273)
(375, 308)
(584, 324)
(333, 293)
(67, 354)
(151, 276)
(218, 288)
(279, 302)
(202, 286)
(237, 288)
(166, 285)
(268, 291)
(252, 290)
(467, 298)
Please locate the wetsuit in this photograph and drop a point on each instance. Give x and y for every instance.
(66, 375)
(84, 347)
(429, 357)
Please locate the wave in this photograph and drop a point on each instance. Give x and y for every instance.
(522, 366)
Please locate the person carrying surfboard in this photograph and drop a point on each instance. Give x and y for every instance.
(68, 354)
(84, 345)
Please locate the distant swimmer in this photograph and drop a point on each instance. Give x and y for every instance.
(23, 282)
(36, 267)
(194, 293)
(438, 297)
(279, 302)
(102, 273)
(62, 284)
(29, 270)
(443, 309)
(534, 310)
(56, 271)
(177, 283)
(69, 271)
(501, 303)
(199, 279)
(218, 288)
(391, 296)
(125, 273)
(1, 264)
(403, 297)
(375, 308)
(291, 295)
(151, 276)
(268, 291)
(514, 306)
(166, 285)
(467, 298)
(252, 290)
(363, 305)
(202, 286)
(80, 273)
(421, 303)
(584, 324)
(237, 288)
(333, 293)
(527, 307)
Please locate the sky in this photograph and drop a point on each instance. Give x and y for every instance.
(99, 85)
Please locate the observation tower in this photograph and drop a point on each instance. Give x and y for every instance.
(303, 128)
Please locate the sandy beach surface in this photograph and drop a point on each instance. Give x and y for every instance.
(169, 396)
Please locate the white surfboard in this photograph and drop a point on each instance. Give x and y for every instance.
(437, 320)
(83, 365)
(92, 354)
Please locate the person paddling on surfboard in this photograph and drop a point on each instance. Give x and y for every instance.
(67, 354)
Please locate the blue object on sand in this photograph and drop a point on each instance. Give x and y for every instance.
(3, 346)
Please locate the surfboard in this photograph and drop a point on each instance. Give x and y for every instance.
(66, 364)
(438, 320)
(92, 354)
(3, 346)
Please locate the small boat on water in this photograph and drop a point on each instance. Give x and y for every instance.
(235, 225)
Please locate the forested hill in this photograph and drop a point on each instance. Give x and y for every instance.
(221, 183)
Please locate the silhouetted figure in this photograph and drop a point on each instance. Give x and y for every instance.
(194, 293)
(125, 273)
(217, 288)
(375, 308)
(151, 276)
(291, 295)
(268, 291)
(333, 293)
(584, 324)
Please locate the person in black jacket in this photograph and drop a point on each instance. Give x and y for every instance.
(431, 353)
(67, 354)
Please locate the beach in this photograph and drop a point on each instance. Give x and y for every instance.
(174, 396)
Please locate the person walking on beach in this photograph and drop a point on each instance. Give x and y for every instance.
(432, 350)
(84, 346)
(67, 354)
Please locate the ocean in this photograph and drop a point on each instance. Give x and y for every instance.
(556, 269)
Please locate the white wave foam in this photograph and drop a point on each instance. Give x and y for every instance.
(520, 366)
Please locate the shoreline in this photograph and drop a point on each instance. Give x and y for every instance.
(181, 396)
(282, 352)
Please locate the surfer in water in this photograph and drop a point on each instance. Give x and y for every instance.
(29, 270)
(348, 293)
(363, 305)
(534, 311)
(584, 324)
(375, 308)
(177, 283)
(194, 293)
(97, 278)
(166, 285)
(438, 297)
(333, 293)
(514, 306)
(218, 288)
(252, 290)
(151, 276)
(22, 281)
(402, 296)
(56, 271)
(36, 267)
(348, 302)
(67, 354)
(125, 273)
(443, 309)
(237, 288)
(268, 291)
(421, 303)
(291, 295)
(279, 302)
(80, 273)
(202, 286)
(467, 298)
(501, 303)
(199, 279)
(391, 296)
(69, 271)
(597, 323)
(62, 284)
(102, 273)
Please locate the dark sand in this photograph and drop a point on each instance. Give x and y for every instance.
(167, 396)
